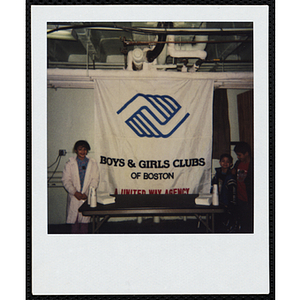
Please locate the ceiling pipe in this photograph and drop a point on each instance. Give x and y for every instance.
(61, 35)
(135, 59)
(132, 43)
(174, 31)
(153, 54)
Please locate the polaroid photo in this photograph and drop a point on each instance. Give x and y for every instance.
(133, 109)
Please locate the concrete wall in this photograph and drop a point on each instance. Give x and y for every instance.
(70, 118)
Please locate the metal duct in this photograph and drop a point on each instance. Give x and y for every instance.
(188, 50)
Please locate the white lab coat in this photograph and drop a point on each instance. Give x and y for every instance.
(71, 182)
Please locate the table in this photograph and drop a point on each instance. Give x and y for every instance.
(152, 205)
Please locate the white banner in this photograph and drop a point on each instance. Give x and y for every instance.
(153, 135)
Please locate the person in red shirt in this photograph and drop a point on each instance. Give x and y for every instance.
(243, 169)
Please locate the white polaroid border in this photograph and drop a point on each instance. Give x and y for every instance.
(149, 264)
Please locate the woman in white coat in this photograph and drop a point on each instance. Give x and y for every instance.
(79, 174)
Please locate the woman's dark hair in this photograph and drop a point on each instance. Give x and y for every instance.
(226, 155)
(242, 147)
(82, 143)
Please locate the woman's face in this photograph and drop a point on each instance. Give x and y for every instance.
(81, 152)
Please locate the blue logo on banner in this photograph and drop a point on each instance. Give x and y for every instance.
(155, 117)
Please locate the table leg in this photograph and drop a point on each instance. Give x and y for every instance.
(99, 224)
(93, 221)
(205, 223)
(213, 222)
(199, 220)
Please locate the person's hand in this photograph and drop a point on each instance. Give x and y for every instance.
(78, 195)
(84, 197)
